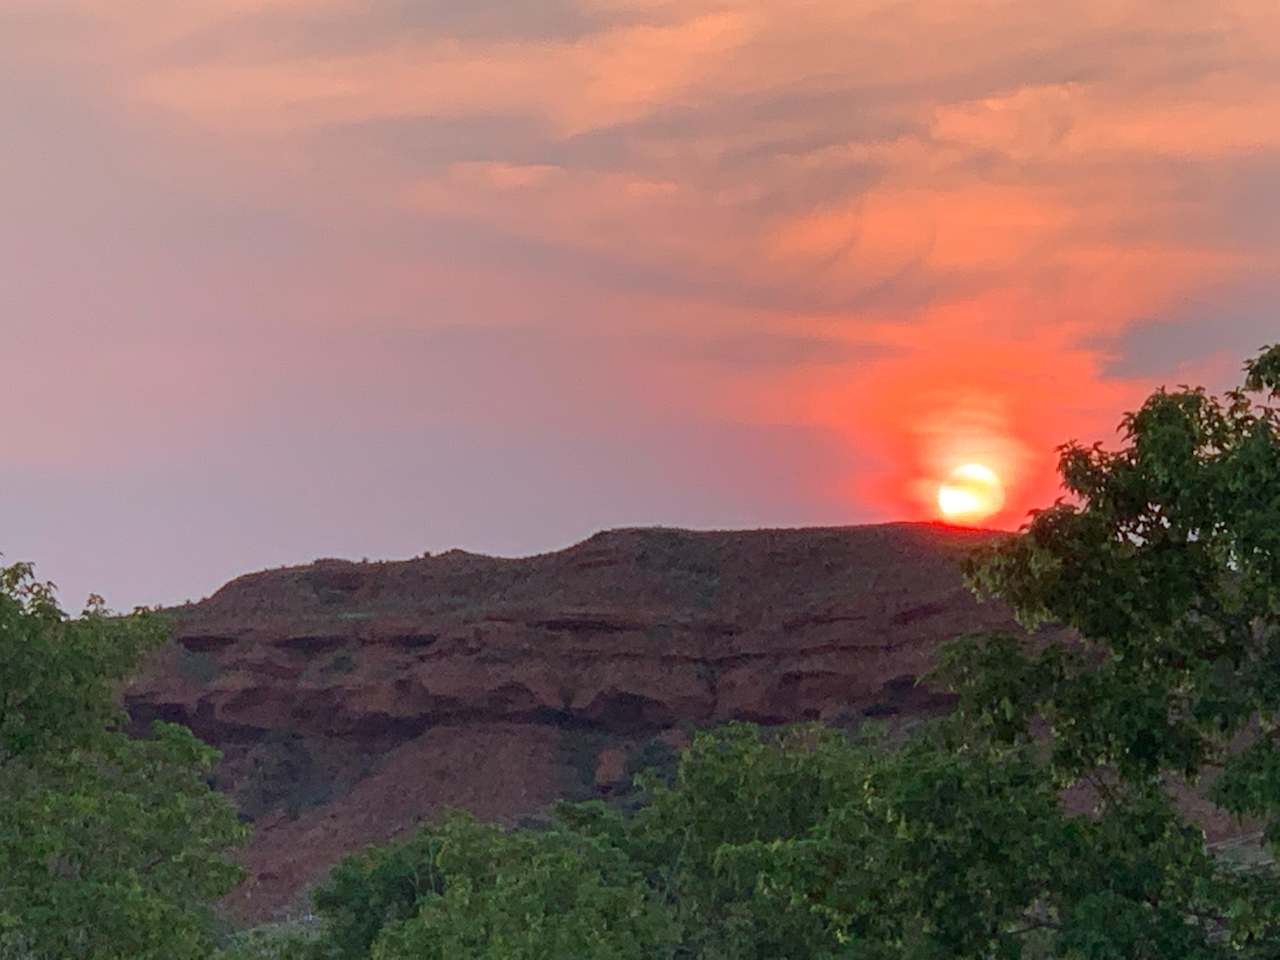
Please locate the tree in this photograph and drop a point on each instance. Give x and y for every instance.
(806, 843)
(376, 889)
(1164, 559)
(470, 890)
(110, 847)
(792, 844)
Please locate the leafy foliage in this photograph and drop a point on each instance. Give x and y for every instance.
(272, 942)
(530, 896)
(110, 847)
(805, 845)
(374, 889)
(465, 889)
(1167, 562)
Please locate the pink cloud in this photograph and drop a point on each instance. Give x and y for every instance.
(920, 232)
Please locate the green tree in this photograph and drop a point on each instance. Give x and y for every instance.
(805, 843)
(110, 847)
(274, 942)
(1164, 560)
(376, 889)
(719, 844)
(471, 891)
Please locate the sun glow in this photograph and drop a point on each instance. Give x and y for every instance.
(970, 493)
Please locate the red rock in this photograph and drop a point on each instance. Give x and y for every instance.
(611, 769)
(377, 694)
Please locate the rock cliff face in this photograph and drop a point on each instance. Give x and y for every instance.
(352, 699)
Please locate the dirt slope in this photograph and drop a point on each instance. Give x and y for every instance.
(352, 699)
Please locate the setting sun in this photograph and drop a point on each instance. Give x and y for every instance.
(970, 493)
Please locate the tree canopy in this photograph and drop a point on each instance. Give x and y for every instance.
(110, 847)
(1165, 560)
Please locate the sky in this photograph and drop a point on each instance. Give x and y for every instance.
(288, 279)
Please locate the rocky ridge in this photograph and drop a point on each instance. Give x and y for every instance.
(353, 699)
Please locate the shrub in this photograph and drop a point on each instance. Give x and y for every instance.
(198, 666)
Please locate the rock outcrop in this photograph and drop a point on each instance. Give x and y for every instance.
(353, 699)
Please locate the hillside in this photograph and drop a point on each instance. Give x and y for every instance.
(352, 699)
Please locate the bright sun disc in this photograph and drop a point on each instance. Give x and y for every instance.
(971, 492)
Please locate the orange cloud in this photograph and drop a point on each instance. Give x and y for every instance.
(612, 76)
(887, 230)
(1226, 113)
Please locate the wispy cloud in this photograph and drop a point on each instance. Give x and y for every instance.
(919, 232)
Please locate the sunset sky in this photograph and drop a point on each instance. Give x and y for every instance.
(284, 279)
